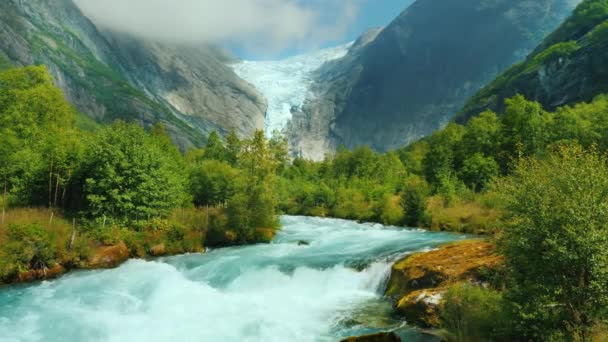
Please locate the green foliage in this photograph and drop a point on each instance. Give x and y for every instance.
(478, 170)
(473, 313)
(555, 242)
(212, 183)
(215, 148)
(553, 53)
(129, 177)
(575, 52)
(27, 247)
(414, 195)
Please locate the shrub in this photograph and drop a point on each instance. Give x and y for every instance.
(473, 313)
(555, 242)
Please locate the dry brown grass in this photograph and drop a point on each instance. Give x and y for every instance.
(462, 216)
(58, 227)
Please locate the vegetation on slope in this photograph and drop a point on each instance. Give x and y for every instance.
(120, 186)
(568, 67)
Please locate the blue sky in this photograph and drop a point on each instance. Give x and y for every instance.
(372, 13)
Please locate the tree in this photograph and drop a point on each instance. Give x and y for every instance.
(478, 170)
(279, 148)
(555, 242)
(212, 183)
(413, 198)
(129, 177)
(215, 148)
(443, 156)
(483, 135)
(255, 200)
(233, 147)
(524, 128)
(40, 144)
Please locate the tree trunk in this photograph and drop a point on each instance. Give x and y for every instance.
(73, 237)
(56, 190)
(51, 185)
(65, 188)
(4, 199)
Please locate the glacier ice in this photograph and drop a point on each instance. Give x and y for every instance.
(285, 83)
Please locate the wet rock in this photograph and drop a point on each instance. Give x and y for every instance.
(108, 256)
(380, 337)
(418, 282)
(41, 274)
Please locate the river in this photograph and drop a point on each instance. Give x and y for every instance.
(320, 280)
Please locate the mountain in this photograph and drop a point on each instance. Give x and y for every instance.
(407, 80)
(109, 76)
(569, 66)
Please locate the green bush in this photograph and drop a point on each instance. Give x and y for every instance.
(26, 247)
(473, 313)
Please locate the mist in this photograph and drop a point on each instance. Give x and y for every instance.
(256, 25)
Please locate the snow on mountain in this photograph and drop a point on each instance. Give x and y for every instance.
(285, 83)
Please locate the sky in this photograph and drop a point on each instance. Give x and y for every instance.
(252, 29)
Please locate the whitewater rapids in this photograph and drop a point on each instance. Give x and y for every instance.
(284, 291)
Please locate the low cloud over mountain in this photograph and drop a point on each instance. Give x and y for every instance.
(257, 25)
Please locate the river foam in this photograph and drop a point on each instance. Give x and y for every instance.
(277, 292)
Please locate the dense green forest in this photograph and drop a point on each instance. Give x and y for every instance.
(119, 183)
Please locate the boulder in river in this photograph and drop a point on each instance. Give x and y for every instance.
(109, 256)
(380, 337)
(41, 274)
(418, 282)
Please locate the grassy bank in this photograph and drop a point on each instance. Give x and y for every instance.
(37, 243)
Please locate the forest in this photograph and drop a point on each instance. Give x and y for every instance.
(534, 181)
(67, 189)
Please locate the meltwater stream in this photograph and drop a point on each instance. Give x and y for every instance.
(285, 291)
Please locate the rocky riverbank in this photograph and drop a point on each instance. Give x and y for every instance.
(418, 281)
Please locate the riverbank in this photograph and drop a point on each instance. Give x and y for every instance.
(419, 282)
(327, 289)
(40, 244)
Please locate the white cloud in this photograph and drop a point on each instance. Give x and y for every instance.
(255, 24)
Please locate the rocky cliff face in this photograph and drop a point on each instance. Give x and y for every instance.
(109, 76)
(571, 65)
(405, 81)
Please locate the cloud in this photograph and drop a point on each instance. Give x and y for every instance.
(255, 24)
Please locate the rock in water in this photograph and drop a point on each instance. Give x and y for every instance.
(380, 337)
(418, 282)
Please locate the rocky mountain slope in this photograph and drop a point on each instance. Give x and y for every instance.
(571, 65)
(110, 76)
(405, 81)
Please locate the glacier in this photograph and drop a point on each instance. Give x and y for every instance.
(286, 83)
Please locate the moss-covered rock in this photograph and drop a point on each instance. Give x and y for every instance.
(417, 282)
(108, 256)
(40, 274)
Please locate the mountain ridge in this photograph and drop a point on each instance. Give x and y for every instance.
(569, 66)
(100, 73)
(401, 86)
